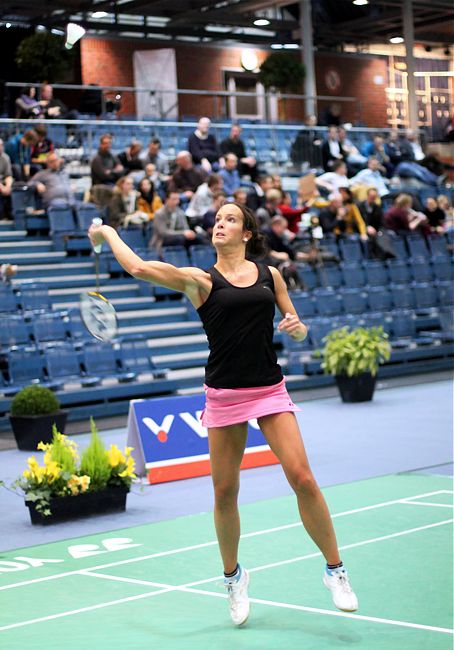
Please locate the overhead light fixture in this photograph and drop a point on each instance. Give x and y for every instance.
(395, 40)
(40, 28)
(99, 14)
(261, 22)
(249, 60)
(57, 32)
(291, 46)
(73, 34)
(276, 46)
(8, 25)
(359, 3)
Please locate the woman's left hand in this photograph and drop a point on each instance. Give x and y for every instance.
(292, 326)
(95, 234)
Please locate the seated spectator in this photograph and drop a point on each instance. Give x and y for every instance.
(154, 155)
(447, 178)
(371, 211)
(106, 169)
(27, 104)
(247, 165)
(306, 148)
(148, 201)
(51, 107)
(277, 240)
(219, 199)
(393, 148)
(256, 194)
(332, 151)
(331, 115)
(341, 219)
(6, 183)
(203, 147)
(186, 178)
(372, 176)
(40, 149)
(444, 204)
(332, 181)
(203, 197)
(19, 149)
(123, 208)
(354, 159)
(170, 226)
(53, 183)
(265, 213)
(240, 196)
(435, 215)
(376, 148)
(402, 218)
(129, 158)
(230, 175)
(411, 147)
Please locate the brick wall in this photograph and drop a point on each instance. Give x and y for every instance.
(110, 62)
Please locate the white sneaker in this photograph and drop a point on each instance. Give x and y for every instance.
(238, 597)
(339, 585)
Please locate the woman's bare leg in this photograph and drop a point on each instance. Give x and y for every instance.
(283, 436)
(227, 446)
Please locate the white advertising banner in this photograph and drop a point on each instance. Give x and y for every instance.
(157, 70)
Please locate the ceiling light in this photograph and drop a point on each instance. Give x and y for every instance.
(40, 28)
(261, 22)
(395, 40)
(291, 46)
(8, 25)
(360, 2)
(73, 34)
(249, 60)
(99, 14)
(276, 46)
(57, 32)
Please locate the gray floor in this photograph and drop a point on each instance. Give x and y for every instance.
(405, 428)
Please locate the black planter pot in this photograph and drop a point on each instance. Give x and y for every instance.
(359, 388)
(29, 430)
(112, 499)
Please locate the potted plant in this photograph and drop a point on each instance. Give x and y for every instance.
(66, 486)
(283, 72)
(353, 357)
(33, 412)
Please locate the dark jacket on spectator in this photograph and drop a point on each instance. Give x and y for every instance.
(183, 180)
(328, 158)
(207, 148)
(278, 244)
(436, 217)
(372, 214)
(101, 163)
(233, 146)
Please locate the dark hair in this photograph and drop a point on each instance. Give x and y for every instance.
(213, 179)
(169, 192)
(337, 164)
(155, 141)
(256, 246)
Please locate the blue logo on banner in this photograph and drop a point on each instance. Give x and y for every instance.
(171, 428)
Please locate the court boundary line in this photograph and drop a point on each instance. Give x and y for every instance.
(188, 587)
(193, 547)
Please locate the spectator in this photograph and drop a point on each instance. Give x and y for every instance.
(186, 178)
(372, 177)
(306, 148)
(435, 215)
(401, 216)
(393, 148)
(51, 107)
(129, 159)
(154, 155)
(371, 211)
(27, 105)
(123, 207)
(230, 175)
(276, 238)
(447, 178)
(40, 149)
(219, 199)
(444, 204)
(203, 197)
(19, 149)
(148, 201)
(331, 115)
(240, 196)
(6, 183)
(203, 147)
(332, 151)
(170, 226)
(332, 181)
(376, 148)
(354, 159)
(256, 194)
(340, 219)
(53, 183)
(247, 165)
(293, 215)
(265, 213)
(106, 169)
(411, 147)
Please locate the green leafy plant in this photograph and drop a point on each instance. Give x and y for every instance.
(35, 400)
(355, 352)
(282, 71)
(94, 461)
(43, 57)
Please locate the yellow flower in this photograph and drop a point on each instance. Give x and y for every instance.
(129, 470)
(84, 483)
(43, 446)
(128, 450)
(53, 470)
(26, 473)
(115, 456)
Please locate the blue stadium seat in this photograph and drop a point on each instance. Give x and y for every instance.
(8, 299)
(204, 257)
(403, 296)
(34, 296)
(399, 273)
(442, 268)
(22, 198)
(61, 220)
(62, 364)
(329, 244)
(379, 299)
(353, 274)
(399, 246)
(403, 329)
(85, 213)
(135, 357)
(438, 245)
(13, 330)
(48, 327)
(425, 294)
(26, 366)
(351, 249)
(329, 276)
(307, 276)
(354, 300)
(417, 246)
(445, 293)
(327, 302)
(320, 327)
(420, 268)
(303, 303)
(77, 330)
(133, 237)
(99, 360)
(376, 319)
(176, 255)
(376, 273)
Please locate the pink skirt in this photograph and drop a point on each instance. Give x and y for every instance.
(226, 406)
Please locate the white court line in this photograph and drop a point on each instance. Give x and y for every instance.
(187, 587)
(194, 547)
(428, 503)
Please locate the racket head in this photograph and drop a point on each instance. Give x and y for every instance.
(98, 315)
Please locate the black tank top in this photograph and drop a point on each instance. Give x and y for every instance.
(238, 322)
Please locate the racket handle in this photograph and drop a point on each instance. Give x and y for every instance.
(97, 221)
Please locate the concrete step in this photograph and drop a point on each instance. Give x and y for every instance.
(158, 329)
(120, 304)
(148, 316)
(6, 224)
(81, 282)
(12, 235)
(50, 270)
(121, 290)
(26, 246)
(181, 359)
(33, 258)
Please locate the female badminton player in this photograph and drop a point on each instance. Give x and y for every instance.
(236, 301)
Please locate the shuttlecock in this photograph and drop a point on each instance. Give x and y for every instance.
(73, 34)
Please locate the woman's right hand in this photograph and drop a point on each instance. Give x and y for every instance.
(95, 234)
